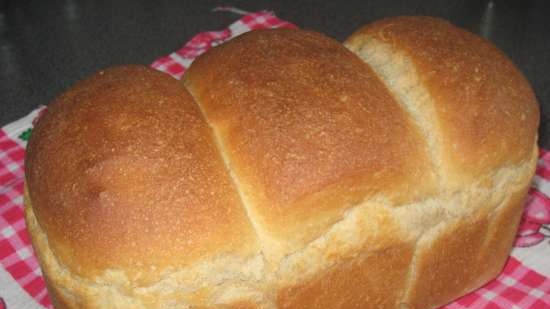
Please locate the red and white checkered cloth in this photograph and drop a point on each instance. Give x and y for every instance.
(177, 62)
(524, 282)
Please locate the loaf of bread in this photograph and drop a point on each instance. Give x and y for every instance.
(287, 171)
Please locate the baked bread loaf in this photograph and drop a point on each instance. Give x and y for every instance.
(287, 171)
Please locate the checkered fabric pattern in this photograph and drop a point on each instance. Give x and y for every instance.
(16, 254)
(177, 62)
(518, 286)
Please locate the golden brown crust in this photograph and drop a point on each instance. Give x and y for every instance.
(374, 281)
(445, 265)
(308, 149)
(124, 174)
(59, 301)
(501, 234)
(308, 129)
(464, 254)
(485, 112)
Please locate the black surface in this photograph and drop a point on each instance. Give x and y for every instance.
(46, 46)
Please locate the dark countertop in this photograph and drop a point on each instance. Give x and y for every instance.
(46, 46)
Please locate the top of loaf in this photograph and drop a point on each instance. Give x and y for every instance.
(123, 174)
(309, 131)
(477, 111)
(285, 131)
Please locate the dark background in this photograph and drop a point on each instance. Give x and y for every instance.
(46, 46)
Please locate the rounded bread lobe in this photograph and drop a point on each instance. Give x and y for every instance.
(480, 118)
(123, 174)
(480, 109)
(309, 131)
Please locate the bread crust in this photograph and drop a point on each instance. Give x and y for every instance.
(482, 111)
(122, 165)
(295, 176)
(302, 122)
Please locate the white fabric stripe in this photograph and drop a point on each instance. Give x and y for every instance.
(535, 257)
(19, 126)
(160, 67)
(542, 185)
(230, 9)
(179, 59)
(238, 28)
(14, 295)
